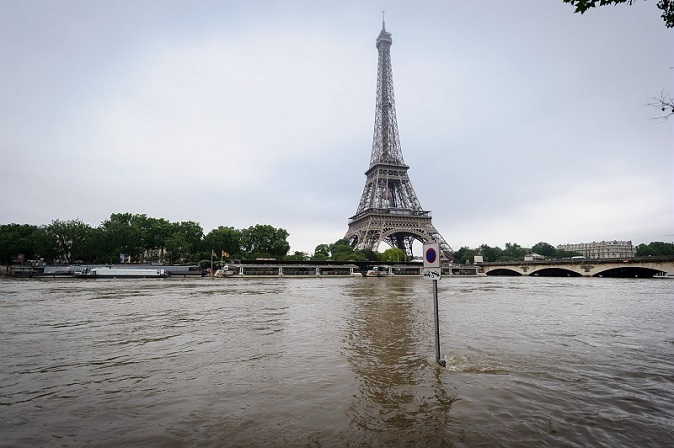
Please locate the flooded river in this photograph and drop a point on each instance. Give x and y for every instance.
(531, 362)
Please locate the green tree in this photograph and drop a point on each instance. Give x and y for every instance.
(320, 256)
(545, 249)
(490, 254)
(393, 254)
(73, 239)
(567, 253)
(45, 244)
(18, 239)
(655, 249)
(666, 6)
(341, 250)
(513, 252)
(261, 241)
(191, 234)
(121, 234)
(322, 250)
(366, 255)
(223, 238)
(464, 255)
(90, 247)
(297, 256)
(154, 233)
(177, 247)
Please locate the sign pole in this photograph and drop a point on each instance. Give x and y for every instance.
(433, 270)
(437, 324)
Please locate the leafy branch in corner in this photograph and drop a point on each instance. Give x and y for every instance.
(666, 6)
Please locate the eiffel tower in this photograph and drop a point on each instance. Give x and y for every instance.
(389, 209)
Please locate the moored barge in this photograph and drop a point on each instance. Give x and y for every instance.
(290, 270)
(312, 270)
(112, 272)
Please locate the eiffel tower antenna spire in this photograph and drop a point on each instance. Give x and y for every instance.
(389, 210)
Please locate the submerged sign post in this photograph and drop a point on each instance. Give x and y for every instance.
(432, 270)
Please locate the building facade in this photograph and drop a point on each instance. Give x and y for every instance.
(602, 249)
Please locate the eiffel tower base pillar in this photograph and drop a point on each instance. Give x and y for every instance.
(368, 231)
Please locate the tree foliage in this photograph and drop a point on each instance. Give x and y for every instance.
(190, 232)
(393, 254)
(74, 240)
(122, 235)
(143, 238)
(465, 255)
(227, 239)
(21, 239)
(297, 256)
(264, 241)
(655, 249)
(567, 253)
(158, 240)
(545, 249)
(154, 233)
(512, 252)
(322, 250)
(490, 254)
(666, 6)
(341, 250)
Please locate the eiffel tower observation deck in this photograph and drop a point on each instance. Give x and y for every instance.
(389, 210)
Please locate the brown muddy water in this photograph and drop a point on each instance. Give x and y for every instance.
(569, 362)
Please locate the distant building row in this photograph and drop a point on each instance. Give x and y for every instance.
(603, 249)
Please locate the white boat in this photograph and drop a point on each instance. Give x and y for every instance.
(378, 271)
(110, 272)
(225, 271)
(406, 270)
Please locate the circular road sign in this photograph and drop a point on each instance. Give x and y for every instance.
(431, 255)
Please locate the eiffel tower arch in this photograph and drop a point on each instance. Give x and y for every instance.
(389, 210)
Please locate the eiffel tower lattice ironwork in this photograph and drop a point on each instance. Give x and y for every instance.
(389, 210)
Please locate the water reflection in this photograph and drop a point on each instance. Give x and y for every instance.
(401, 398)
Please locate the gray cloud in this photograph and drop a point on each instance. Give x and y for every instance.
(521, 122)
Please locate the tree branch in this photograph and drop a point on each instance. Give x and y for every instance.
(666, 105)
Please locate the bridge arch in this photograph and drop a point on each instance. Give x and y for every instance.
(503, 272)
(628, 272)
(555, 272)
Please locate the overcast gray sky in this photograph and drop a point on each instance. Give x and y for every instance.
(520, 120)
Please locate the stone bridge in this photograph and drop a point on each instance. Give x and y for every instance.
(627, 267)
